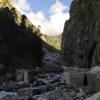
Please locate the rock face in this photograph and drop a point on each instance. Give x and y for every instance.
(81, 33)
(96, 56)
(8, 3)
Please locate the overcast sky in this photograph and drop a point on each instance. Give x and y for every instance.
(49, 14)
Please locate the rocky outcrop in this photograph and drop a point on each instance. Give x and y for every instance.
(81, 33)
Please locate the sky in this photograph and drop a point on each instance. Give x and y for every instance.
(49, 14)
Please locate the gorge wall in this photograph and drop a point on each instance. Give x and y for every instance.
(81, 35)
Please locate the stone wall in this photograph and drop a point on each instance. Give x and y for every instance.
(76, 78)
(24, 76)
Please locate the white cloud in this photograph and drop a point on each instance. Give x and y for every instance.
(52, 26)
(58, 7)
(22, 5)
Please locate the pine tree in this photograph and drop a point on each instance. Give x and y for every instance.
(85, 81)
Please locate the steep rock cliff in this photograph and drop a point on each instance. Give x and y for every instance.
(81, 33)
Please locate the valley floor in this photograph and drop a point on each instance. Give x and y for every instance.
(45, 87)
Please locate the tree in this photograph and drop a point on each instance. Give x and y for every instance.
(23, 19)
(85, 81)
(19, 44)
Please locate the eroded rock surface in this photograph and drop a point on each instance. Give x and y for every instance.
(81, 33)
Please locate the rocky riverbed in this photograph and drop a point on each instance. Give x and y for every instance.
(45, 87)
